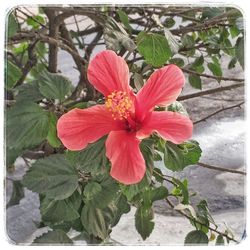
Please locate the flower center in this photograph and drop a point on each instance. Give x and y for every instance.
(119, 104)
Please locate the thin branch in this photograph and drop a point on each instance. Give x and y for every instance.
(210, 91)
(46, 39)
(30, 63)
(204, 165)
(218, 111)
(219, 78)
(194, 220)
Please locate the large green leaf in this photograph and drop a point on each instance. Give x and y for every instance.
(53, 176)
(91, 189)
(54, 86)
(91, 159)
(196, 237)
(122, 208)
(159, 193)
(104, 194)
(12, 25)
(130, 191)
(53, 237)
(52, 134)
(154, 48)
(26, 125)
(94, 222)
(28, 92)
(143, 221)
(55, 211)
(13, 75)
(177, 157)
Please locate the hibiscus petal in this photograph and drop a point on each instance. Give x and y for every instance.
(172, 126)
(109, 72)
(79, 127)
(122, 149)
(162, 88)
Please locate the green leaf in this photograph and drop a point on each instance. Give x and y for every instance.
(154, 48)
(53, 237)
(169, 22)
(11, 155)
(28, 92)
(91, 189)
(107, 193)
(198, 62)
(159, 193)
(93, 220)
(234, 31)
(158, 175)
(130, 191)
(177, 61)
(146, 147)
(232, 63)
(220, 240)
(124, 19)
(215, 69)
(187, 41)
(196, 237)
(12, 25)
(195, 81)
(13, 75)
(122, 208)
(54, 86)
(27, 125)
(57, 211)
(116, 37)
(191, 151)
(35, 21)
(173, 157)
(53, 176)
(181, 189)
(177, 107)
(143, 221)
(176, 157)
(17, 193)
(52, 134)
(92, 159)
(239, 51)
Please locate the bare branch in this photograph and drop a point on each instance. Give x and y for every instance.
(204, 165)
(210, 91)
(218, 111)
(219, 78)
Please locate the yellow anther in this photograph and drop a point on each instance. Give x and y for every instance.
(119, 104)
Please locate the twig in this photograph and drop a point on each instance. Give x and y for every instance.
(219, 78)
(204, 165)
(218, 111)
(198, 222)
(210, 91)
(30, 63)
(46, 39)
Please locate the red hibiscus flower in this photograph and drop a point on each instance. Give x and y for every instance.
(126, 118)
